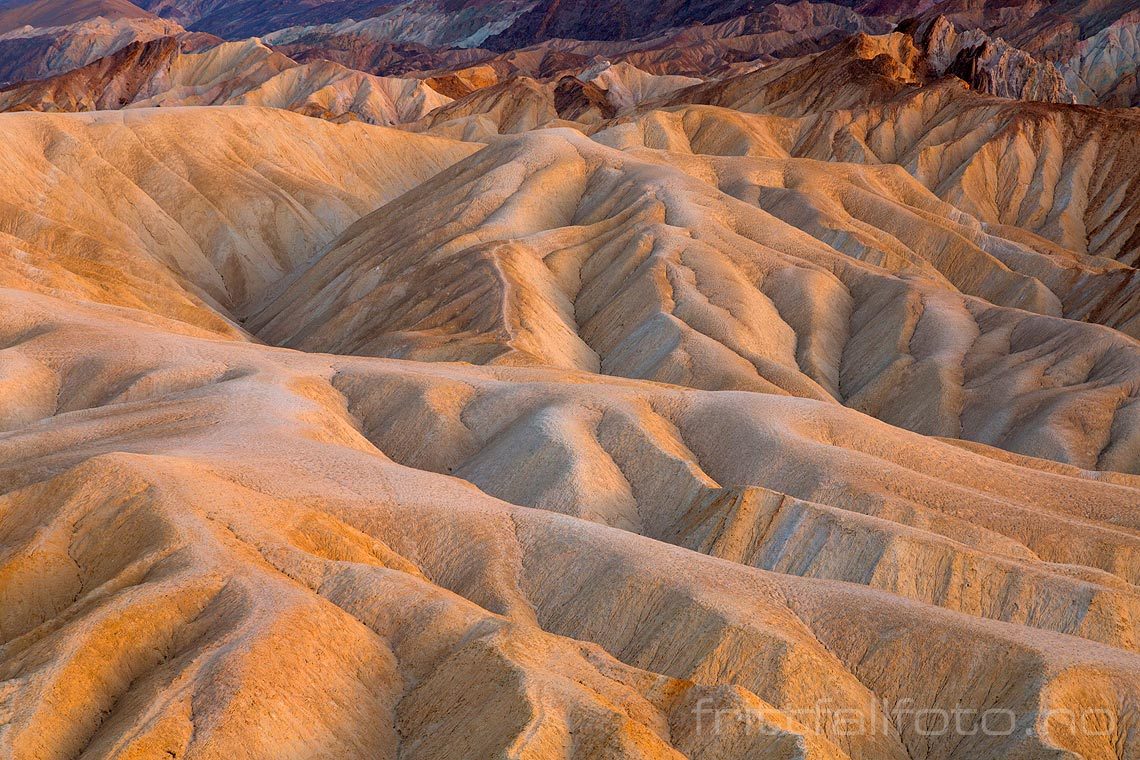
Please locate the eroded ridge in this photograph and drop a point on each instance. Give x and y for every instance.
(620, 404)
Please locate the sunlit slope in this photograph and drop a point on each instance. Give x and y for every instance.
(339, 588)
(705, 431)
(189, 213)
(551, 249)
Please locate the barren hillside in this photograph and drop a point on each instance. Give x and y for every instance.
(789, 409)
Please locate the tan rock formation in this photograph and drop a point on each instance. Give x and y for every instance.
(789, 413)
(192, 231)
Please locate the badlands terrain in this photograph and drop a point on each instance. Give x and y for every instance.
(536, 379)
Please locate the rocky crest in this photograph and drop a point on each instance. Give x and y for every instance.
(990, 65)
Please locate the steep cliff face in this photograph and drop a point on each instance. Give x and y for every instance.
(1064, 68)
(990, 65)
(1045, 28)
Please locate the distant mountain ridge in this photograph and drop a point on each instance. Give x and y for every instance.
(1054, 30)
(245, 18)
(49, 13)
